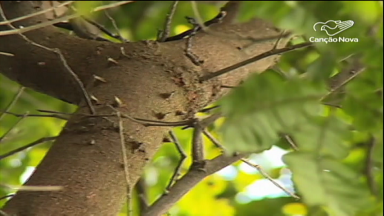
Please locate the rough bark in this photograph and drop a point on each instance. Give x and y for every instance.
(86, 159)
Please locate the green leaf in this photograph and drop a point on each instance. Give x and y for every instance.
(325, 135)
(323, 181)
(368, 11)
(366, 110)
(85, 7)
(264, 106)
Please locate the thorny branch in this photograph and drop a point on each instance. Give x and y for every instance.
(180, 187)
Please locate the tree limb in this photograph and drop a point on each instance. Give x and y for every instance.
(86, 157)
(188, 181)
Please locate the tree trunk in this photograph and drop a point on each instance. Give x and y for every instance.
(87, 159)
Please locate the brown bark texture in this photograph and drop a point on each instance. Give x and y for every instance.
(86, 159)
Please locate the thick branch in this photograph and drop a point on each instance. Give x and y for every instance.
(86, 158)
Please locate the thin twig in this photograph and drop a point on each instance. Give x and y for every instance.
(147, 122)
(54, 112)
(144, 122)
(223, 13)
(209, 109)
(141, 191)
(7, 22)
(102, 28)
(7, 196)
(39, 141)
(197, 147)
(213, 140)
(32, 188)
(197, 28)
(54, 12)
(3, 213)
(188, 181)
(217, 143)
(253, 59)
(113, 21)
(188, 50)
(65, 64)
(35, 115)
(14, 126)
(278, 40)
(61, 19)
(369, 166)
(14, 100)
(164, 34)
(7, 54)
(269, 178)
(291, 142)
(254, 41)
(183, 156)
(109, 6)
(76, 78)
(199, 19)
(227, 86)
(210, 119)
(344, 82)
(125, 161)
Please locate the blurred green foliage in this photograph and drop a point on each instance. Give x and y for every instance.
(330, 172)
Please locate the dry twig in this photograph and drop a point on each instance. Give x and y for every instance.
(164, 34)
(63, 60)
(39, 141)
(51, 22)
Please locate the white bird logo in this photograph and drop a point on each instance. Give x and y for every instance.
(339, 25)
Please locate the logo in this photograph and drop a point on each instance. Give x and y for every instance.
(332, 27)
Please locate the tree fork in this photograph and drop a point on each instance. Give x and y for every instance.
(86, 158)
